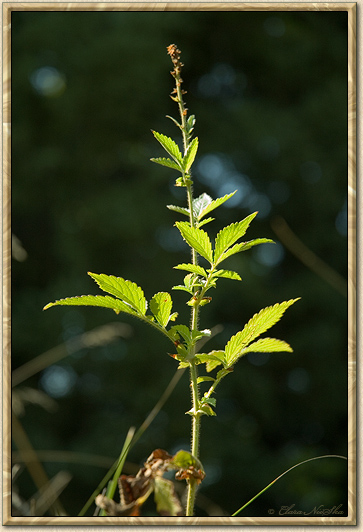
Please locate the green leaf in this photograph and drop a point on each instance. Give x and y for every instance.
(180, 210)
(213, 204)
(183, 288)
(267, 345)
(190, 123)
(185, 460)
(196, 335)
(161, 305)
(166, 162)
(197, 239)
(204, 222)
(200, 203)
(192, 268)
(212, 359)
(123, 289)
(190, 155)
(257, 325)
(181, 330)
(170, 146)
(256, 242)
(207, 409)
(166, 500)
(204, 379)
(243, 246)
(209, 400)
(94, 301)
(230, 234)
(227, 274)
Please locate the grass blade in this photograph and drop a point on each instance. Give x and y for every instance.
(284, 473)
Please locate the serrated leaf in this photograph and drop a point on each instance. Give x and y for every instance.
(190, 155)
(200, 203)
(166, 162)
(197, 239)
(180, 210)
(267, 345)
(257, 325)
(123, 289)
(227, 274)
(170, 146)
(212, 359)
(204, 222)
(229, 235)
(192, 268)
(183, 288)
(166, 500)
(243, 246)
(94, 301)
(214, 204)
(161, 305)
(256, 242)
(182, 330)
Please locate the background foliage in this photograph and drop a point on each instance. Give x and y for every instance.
(269, 91)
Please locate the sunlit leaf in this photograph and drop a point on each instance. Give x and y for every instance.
(184, 460)
(166, 162)
(212, 359)
(180, 210)
(94, 301)
(205, 222)
(123, 289)
(267, 345)
(256, 242)
(200, 203)
(230, 234)
(161, 305)
(197, 239)
(257, 325)
(190, 155)
(227, 274)
(213, 204)
(182, 288)
(192, 268)
(170, 146)
(204, 378)
(242, 246)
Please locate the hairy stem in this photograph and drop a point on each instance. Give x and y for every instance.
(195, 412)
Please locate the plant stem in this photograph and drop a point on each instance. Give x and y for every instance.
(195, 411)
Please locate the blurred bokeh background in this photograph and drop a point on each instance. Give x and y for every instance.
(269, 91)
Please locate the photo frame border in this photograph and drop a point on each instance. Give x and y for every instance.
(7, 9)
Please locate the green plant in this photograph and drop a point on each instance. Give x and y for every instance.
(126, 296)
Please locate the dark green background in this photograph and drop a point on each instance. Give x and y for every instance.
(269, 91)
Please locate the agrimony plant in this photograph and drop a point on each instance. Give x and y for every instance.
(127, 297)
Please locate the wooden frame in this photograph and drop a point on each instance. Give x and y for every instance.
(8, 8)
